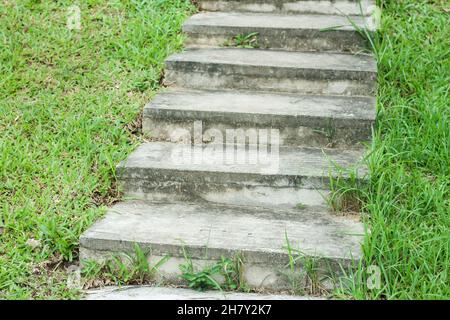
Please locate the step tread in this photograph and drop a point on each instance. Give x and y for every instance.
(341, 7)
(258, 233)
(166, 293)
(256, 21)
(291, 161)
(277, 59)
(239, 103)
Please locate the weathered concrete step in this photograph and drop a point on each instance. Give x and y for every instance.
(315, 121)
(274, 31)
(206, 233)
(233, 173)
(268, 70)
(341, 7)
(167, 293)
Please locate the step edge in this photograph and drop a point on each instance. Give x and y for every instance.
(175, 58)
(157, 111)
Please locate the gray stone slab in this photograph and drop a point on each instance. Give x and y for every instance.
(167, 293)
(207, 232)
(268, 70)
(216, 164)
(302, 120)
(216, 230)
(341, 7)
(163, 170)
(274, 31)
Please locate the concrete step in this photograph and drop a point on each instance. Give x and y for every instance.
(205, 233)
(302, 120)
(341, 7)
(268, 70)
(275, 31)
(234, 173)
(168, 293)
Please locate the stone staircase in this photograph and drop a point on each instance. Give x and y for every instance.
(245, 142)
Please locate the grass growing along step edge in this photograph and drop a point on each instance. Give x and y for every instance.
(69, 100)
(224, 275)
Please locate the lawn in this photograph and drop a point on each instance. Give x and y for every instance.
(407, 203)
(69, 109)
(69, 100)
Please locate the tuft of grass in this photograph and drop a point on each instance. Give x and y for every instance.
(68, 102)
(248, 41)
(225, 275)
(122, 270)
(306, 275)
(346, 190)
(328, 132)
(301, 206)
(407, 198)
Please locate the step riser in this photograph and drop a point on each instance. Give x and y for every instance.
(255, 275)
(308, 81)
(293, 131)
(267, 197)
(340, 7)
(201, 182)
(290, 40)
(224, 188)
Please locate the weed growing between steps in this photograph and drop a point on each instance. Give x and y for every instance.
(305, 275)
(67, 99)
(225, 275)
(344, 199)
(329, 133)
(405, 204)
(247, 41)
(121, 270)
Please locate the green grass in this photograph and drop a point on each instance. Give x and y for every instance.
(407, 201)
(68, 102)
(121, 270)
(247, 41)
(224, 275)
(305, 274)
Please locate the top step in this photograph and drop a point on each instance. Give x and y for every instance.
(299, 32)
(335, 7)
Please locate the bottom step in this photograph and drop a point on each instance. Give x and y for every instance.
(207, 232)
(162, 293)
